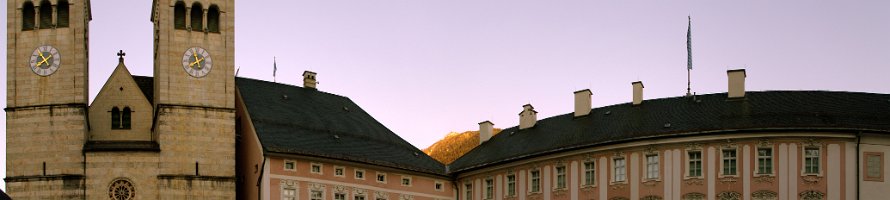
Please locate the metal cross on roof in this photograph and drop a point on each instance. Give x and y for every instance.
(121, 55)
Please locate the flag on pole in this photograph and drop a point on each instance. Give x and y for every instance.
(689, 45)
(274, 67)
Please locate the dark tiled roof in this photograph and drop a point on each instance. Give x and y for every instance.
(146, 84)
(315, 123)
(714, 114)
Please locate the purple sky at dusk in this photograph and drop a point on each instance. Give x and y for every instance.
(426, 68)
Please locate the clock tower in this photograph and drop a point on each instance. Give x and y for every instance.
(194, 97)
(47, 95)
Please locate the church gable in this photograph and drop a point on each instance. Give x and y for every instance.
(121, 111)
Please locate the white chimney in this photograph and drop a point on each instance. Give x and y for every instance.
(582, 102)
(309, 80)
(638, 92)
(528, 117)
(736, 83)
(486, 129)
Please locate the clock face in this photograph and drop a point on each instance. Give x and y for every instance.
(196, 62)
(45, 60)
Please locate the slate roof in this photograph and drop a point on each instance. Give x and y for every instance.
(299, 121)
(146, 84)
(714, 114)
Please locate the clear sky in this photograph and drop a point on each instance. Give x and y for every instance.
(426, 68)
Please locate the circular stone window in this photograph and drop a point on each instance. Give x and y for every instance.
(121, 190)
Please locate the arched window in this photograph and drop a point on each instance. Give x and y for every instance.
(115, 118)
(125, 118)
(197, 17)
(213, 19)
(62, 14)
(28, 16)
(46, 15)
(179, 15)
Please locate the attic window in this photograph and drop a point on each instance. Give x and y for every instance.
(608, 112)
(667, 125)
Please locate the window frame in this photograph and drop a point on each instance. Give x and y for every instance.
(734, 159)
(689, 162)
(439, 186)
(355, 174)
(534, 183)
(320, 168)
(488, 188)
(866, 166)
(592, 172)
(356, 196)
(468, 190)
(804, 157)
(510, 192)
(615, 170)
(345, 196)
(557, 177)
(285, 188)
(341, 170)
(378, 175)
(757, 161)
(647, 176)
(312, 192)
(408, 178)
(292, 162)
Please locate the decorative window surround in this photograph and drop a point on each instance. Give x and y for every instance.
(316, 168)
(510, 186)
(694, 164)
(618, 168)
(359, 174)
(489, 188)
(873, 166)
(290, 165)
(406, 181)
(816, 147)
(534, 180)
(381, 195)
(764, 155)
(468, 190)
(439, 186)
(339, 171)
(729, 162)
(652, 166)
(359, 194)
(560, 173)
(589, 175)
(381, 177)
(289, 189)
(316, 191)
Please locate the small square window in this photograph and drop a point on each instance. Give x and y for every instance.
(316, 168)
(360, 174)
(406, 181)
(439, 186)
(381, 177)
(290, 165)
(339, 171)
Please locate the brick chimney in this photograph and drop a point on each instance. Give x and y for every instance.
(486, 130)
(309, 80)
(736, 83)
(638, 92)
(582, 102)
(528, 117)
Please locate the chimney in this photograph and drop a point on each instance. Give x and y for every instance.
(528, 117)
(736, 83)
(638, 92)
(486, 129)
(582, 102)
(309, 80)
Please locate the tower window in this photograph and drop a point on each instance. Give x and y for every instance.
(125, 118)
(46, 15)
(213, 19)
(179, 15)
(197, 17)
(62, 14)
(28, 16)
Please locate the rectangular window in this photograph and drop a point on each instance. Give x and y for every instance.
(511, 185)
(652, 166)
(360, 174)
(811, 160)
(316, 168)
(468, 191)
(764, 161)
(339, 171)
(339, 196)
(316, 195)
(358, 197)
(406, 181)
(535, 183)
(381, 177)
(489, 189)
(620, 171)
(694, 164)
(874, 166)
(729, 162)
(289, 194)
(589, 173)
(561, 177)
(439, 186)
(290, 165)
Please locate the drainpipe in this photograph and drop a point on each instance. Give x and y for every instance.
(259, 181)
(858, 178)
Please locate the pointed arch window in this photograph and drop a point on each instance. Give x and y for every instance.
(179, 15)
(28, 16)
(46, 15)
(213, 19)
(197, 17)
(62, 14)
(115, 118)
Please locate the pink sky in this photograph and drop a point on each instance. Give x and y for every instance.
(426, 68)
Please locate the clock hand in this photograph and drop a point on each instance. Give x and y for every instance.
(196, 62)
(44, 60)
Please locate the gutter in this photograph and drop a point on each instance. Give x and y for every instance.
(259, 181)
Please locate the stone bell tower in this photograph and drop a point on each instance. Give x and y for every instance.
(47, 95)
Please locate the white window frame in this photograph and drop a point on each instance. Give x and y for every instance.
(439, 186)
(311, 191)
(285, 188)
(468, 190)
(292, 162)
(757, 161)
(648, 176)
(345, 196)
(507, 191)
(356, 172)
(689, 161)
(488, 185)
(615, 170)
(341, 169)
(410, 181)
(363, 196)
(557, 177)
(866, 164)
(803, 160)
(724, 159)
(531, 185)
(320, 168)
(592, 172)
(377, 178)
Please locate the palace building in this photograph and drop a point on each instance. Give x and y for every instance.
(195, 131)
